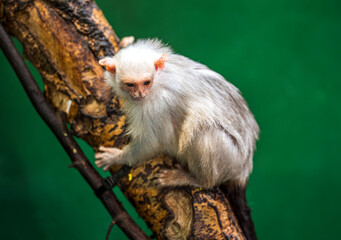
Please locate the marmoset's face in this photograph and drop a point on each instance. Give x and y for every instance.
(138, 88)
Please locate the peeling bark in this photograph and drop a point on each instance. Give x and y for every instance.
(64, 40)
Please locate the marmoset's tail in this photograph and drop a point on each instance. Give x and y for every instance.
(237, 198)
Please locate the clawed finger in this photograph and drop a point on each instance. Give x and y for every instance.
(106, 168)
(99, 163)
(158, 182)
(99, 155)
(110, 150)
(104, 149)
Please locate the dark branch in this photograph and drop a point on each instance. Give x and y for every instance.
(58, 126)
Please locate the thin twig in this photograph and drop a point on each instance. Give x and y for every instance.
(58, 127)
(112, 224)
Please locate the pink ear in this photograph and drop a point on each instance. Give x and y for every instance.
(108, 63)
(160, 63)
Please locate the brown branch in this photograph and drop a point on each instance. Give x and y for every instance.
(78, 158)
(64, 40)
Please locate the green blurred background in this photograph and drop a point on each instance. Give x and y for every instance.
(285, 58)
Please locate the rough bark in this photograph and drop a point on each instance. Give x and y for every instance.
(64, 40)
(57, 123)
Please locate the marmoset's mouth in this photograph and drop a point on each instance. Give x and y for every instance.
(138, 98)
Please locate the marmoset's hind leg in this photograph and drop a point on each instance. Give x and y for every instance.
(177, 177)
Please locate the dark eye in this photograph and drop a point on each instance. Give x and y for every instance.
(146, 83)
(130, 84)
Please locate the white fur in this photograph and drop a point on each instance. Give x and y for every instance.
(191, 113)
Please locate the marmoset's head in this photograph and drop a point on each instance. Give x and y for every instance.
(132, 70)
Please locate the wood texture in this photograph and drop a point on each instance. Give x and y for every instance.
(57, 123)
(64, 40)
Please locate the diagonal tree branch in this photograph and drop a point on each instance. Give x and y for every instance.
(64, 40)
(58, 126)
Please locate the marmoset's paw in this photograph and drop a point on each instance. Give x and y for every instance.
(107, 157)
(177, 177)
(167, 178)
